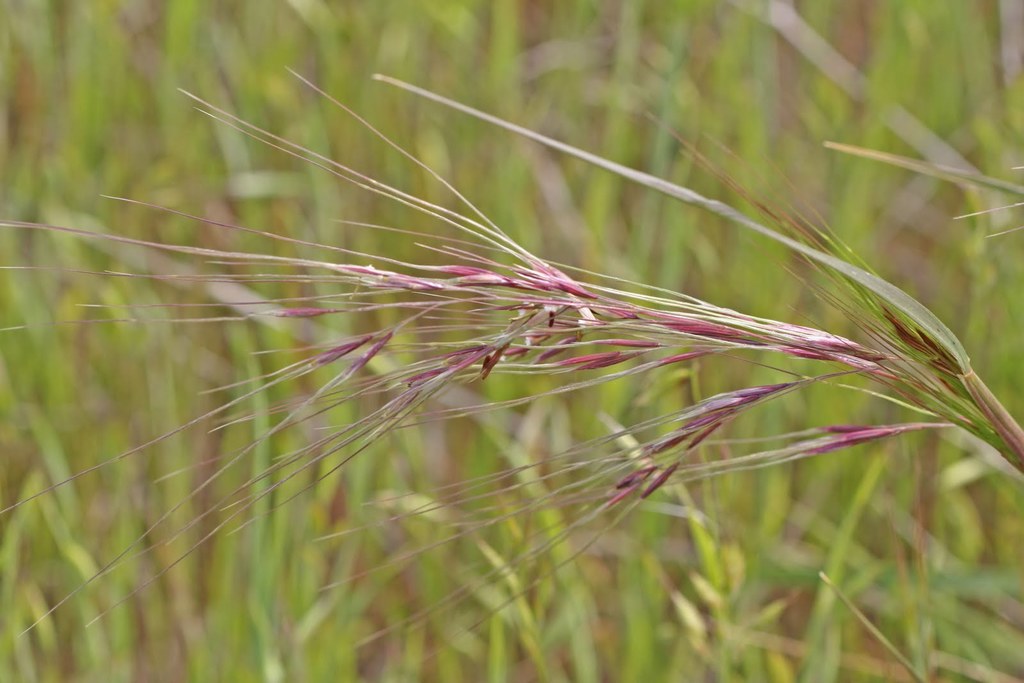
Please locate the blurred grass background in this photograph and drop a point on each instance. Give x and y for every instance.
(922, 534)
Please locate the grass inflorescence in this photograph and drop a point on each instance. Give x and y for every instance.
(470, 451)
(491, 309)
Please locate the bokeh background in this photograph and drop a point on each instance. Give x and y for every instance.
(720, 582)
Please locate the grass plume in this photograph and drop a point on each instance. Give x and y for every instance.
(482, 310)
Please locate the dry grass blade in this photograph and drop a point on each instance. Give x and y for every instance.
(949, 173)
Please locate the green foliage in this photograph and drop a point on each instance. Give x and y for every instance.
(715, 580)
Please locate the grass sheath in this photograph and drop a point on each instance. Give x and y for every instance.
(998, 417)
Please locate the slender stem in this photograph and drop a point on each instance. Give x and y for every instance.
(1004, 424)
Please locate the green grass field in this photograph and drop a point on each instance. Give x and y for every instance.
(333, 577)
